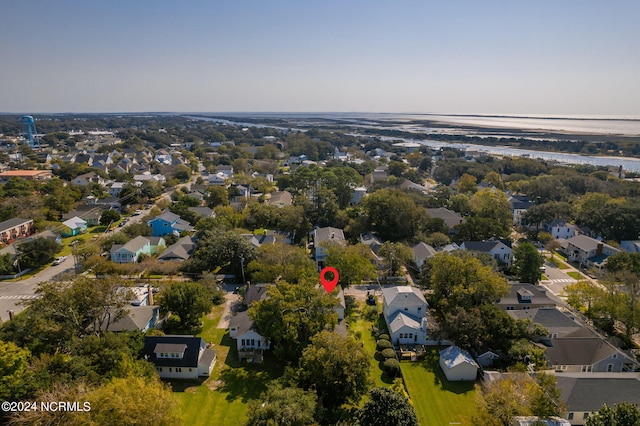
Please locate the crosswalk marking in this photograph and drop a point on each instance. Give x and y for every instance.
(563, 280)
(19, 296)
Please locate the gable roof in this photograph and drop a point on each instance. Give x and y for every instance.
(135, 318)
(580, 350)
(400, 319)
(325, 234)
(134, 244)
(482, 246)
(166, 216)
(454, 356)
(74, 223)
(550, 318)
(256, 293)
(243, 322)
(589, 394)
(12, 223)
(517, 290)
(403, 294)
(191, 344)
(423, 251)
(180, 250)
(450, 217)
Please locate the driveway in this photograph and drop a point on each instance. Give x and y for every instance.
(230, 300)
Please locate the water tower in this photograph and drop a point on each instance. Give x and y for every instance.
(29, 132)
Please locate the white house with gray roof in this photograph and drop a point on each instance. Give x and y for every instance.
(588, 251)
(458, 364)
(404, 309)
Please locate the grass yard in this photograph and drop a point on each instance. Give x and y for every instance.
(357, 325)
(437, 401)
(223, 398)
(575, 275)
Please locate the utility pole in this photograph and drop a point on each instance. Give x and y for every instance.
(244, 282)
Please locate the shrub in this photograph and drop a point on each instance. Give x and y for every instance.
(388, 353)
(384, 337)
(378, 356)
(392, 367)
(370, 313)
(383, 344)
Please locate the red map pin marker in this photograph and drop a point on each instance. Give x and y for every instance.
(329, 285)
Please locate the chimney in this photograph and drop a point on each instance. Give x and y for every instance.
(149, 295)
(11, 315)
(599, 249)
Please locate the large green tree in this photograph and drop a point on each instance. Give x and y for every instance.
(393, 214)
(285, 406)
(386, 407)
(623, 414)
(218, 248)
(188, 300)
(527, 262)
(281, 261)
(353, 263)
(291, 315)
(336, 367)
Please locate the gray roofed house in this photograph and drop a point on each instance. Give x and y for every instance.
(421, 252)
(256, 293)
(451, 218)
(136, 318)
(179, 356)
(519, 205)
(15, 228)
(579, 353)
(180, 250)
(586, 394)
(404, 309)
(497, 249)
(324, 235)
(525, 296)
(458, 364)
(559, 324)
(281, 199)
(131, 250)
(588, 251)
(259, 240)
(560, 228)
(249, 342)
(630, 246)
(202, 211)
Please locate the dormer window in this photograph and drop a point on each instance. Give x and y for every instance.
(170, 350)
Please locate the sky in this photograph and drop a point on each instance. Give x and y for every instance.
(545, 57)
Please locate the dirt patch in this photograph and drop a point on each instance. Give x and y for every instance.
(215, 384)
(230, 300)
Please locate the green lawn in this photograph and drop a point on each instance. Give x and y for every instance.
(437, 401)
(358, 325)
(575, 275)
(223, 398)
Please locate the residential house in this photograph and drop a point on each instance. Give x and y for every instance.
(585, 394)
(458, 364)
(15, 228)
(181, 250)
(322, 236)
(525, 296)
(26, 174)
(179, 357)
(358, 194)
(519, 205)
(539, 421)
(451, 218)
(168, 223)
(202, 211)
(502, 253)
(116, 188)
(218, 178)
(559, 324)
(131, 251)
(74, 226)
(148, 177)
(249, 342)
(256, 293)
(281, 199)
(586, 352)
(374, 243)
(421, 253)
(259, 240)
(404, 309)
(86, 179)
(90, 213)
(630, 246)
(136, 318)
(559, 228)
(589, 252)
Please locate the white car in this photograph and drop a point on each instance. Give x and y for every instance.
(59, 260)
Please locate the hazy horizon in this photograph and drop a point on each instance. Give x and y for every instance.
(412, 57)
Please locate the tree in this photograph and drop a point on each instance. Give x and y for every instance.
(396, 256)
(393, 214)
(216, 195)
(289, 405)
(332, 359)
(188, 300)
(65, 310)
(37, 252)
(623, 414)
(14, 372)
(109, 216)
(291, 315)
(527, 262)
(464, 282)
(281, 261)
(585, 295)
(353, 263)
(118, 402)
(218, 248)
(466, 184)
(386, 407)
(492, 204)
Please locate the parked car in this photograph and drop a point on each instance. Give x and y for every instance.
(59, 260)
